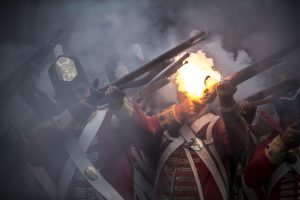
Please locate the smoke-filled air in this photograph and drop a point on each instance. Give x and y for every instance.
(150, 99)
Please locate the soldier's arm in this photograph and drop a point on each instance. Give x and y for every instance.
(170, 118)
(271, 154)
(130, 114)
(232, 129)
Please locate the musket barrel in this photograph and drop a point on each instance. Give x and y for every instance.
(165, 56)
(263, 101)
(278, 88)
(256, 68)
(163, 78)
(172, 67)
(261, 65)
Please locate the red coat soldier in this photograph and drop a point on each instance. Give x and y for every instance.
(196, 149)
(260, 126)
(276, 164)
(99, 138)
(83, 153)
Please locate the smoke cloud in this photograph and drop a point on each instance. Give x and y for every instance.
(101, 33)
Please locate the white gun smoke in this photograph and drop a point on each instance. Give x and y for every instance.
(101, 33)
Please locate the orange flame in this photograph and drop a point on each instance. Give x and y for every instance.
(198, 75)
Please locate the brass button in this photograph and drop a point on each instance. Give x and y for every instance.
(91, 173)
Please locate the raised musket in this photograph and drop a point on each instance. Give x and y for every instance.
(275, 91)
(262, 65)
(163, 78)
(254, 69)
(155, 63)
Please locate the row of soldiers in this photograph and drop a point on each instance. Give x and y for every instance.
(185, 151)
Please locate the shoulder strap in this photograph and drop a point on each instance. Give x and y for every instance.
(167, 135)
(142, 187)
(198, 124)
(280, 172)
(44, 179)
(87, 169)
(84, 142)
(143, 163)
(195, 173)
(69, 169)
(204, 155)
(163, 158)
(150, 166)
(209, 137)
(212, 148)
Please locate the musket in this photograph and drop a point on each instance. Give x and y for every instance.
(238, 77)
(281, 86)
(155, 64)
(275, 91)
(254, 69)
(29, 66)
(262, 65)
(163, 78)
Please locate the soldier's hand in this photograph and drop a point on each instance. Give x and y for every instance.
(247, 107)
(225, 92)
(291, 137)
(248, 111)
(82, 110)
(114, 97)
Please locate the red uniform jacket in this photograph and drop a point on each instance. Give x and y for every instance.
(227, 145)
(259, 129)
(263, 169)
(108, 152)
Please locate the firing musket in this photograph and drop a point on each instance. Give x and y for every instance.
(29, 66)
(254, 69)
(163, 78)
(262, 65)
(154, 65)
(275, 91)
(236, 78)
